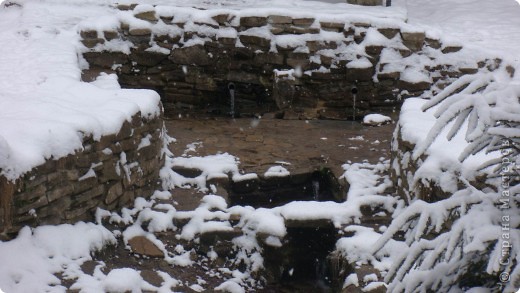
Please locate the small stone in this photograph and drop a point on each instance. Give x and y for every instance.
(332, 26)
(141, 245)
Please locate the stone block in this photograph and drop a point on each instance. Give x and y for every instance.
(255, 40)
(297, 30)
(332, 26)
(89, 34)
(105, 59)
(389, 33)
(141, 245)
(147, 15)
(451, 49)
(278, 29)
(147, 58)
(303, 22)
(302, 63)
(374, 50)
(253, 21)
(60, 191)
(91, 43)
(114, 192)
(125, 7)
(366, 2)
(360, 74)
(388, 75)
(222, 19)
(110, 35)
(279, 19)
(413, 40)
(81, 199)
(194, 55)
(140, 32)
(269, 58)
(31, 193)
(85, 184)
(23, 207)
(433, 43)
(413, 87)
(166, 19)
(243, 77)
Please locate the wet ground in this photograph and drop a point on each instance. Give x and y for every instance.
(298, 145)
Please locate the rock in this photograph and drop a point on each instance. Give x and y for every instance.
(279, 19)
(388, 75)
(110, 35)
(140, 32)
(389, 33)
(332, 26)
(147, 58)
(451, 49)
(194, 55)
(360, 74)
(152, 277)
(436, 44)
(365, 2)
(270, 58)
(90, 34)
(222, 19)
(141, 245)
(305, 22)
(298, 30)
(413, 87)
(91, 43)
(105, 59)
(147, 15)
(413, 40)
(255, 40)
(114, 193)
(253, 21)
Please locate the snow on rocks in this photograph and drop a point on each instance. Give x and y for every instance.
(376, 119)
(46, 111)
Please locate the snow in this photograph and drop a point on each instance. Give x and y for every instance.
(45, 109)
(276, 171)
(376, 119)
(30, 261)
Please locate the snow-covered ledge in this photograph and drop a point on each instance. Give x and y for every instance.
(66, 146)
(107, 172)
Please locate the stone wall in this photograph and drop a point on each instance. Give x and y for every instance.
(108, 173)
(305, 67)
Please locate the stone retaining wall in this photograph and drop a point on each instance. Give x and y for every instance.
(108, 173)
(304, 66)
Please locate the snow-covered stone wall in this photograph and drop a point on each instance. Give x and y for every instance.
(306, 64)
(108, 173)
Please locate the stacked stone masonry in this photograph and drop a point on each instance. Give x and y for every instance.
(108, 173)
(303, 67)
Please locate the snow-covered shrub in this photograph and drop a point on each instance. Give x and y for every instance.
(469, 239)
